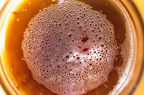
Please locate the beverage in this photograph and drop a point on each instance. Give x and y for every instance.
(118, 35)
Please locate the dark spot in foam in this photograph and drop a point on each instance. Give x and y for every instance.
(79, 47)
(85, 39)
(102, 45)
(78, 58)
(58, 66)
(69, 35)
(67, 56)
(100, 38)
(85, 49)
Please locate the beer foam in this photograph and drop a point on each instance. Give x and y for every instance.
(70, 48)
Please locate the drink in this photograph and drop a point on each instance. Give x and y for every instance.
(22, 76)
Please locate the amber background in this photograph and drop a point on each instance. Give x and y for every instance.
(140, 88)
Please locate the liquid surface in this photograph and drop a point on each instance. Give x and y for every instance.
(17, 67)
(69, 48)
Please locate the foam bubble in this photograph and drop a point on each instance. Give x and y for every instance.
(69, 48)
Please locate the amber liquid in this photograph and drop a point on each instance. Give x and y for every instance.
(16, 66)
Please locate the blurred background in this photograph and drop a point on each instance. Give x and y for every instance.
(140, 6)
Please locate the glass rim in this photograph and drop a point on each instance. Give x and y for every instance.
(142, 26)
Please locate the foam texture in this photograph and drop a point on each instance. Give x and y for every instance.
(69, 48)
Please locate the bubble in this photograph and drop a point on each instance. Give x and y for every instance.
(69, 48)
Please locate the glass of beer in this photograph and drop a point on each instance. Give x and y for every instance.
(70, 47)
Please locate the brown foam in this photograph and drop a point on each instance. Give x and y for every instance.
(126, 50)
(69, 48)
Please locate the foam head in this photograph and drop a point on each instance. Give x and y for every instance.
(69, 48)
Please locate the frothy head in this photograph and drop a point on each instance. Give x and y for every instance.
(69, 48)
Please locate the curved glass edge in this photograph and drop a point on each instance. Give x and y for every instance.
(139, 65)
(140, 4)
(3, 88)
(5, 83)
(141, 21)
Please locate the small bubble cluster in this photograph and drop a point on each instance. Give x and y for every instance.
(69, 48)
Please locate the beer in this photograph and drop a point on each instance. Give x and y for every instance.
(121, 45)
